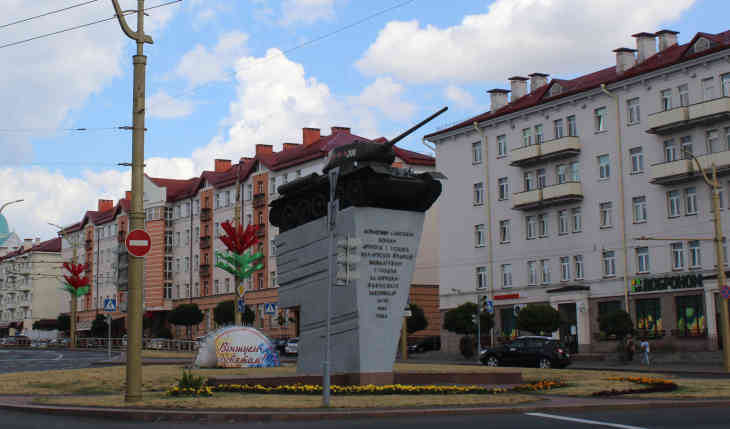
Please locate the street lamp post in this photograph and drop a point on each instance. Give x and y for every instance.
(10, 202)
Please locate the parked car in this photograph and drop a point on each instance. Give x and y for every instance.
(543, 352)
(279, 344)
(425, 345)
(292, 346)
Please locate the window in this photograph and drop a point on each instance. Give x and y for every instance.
(216, 287)
(572, 126)
(560, 173)
(168, 290)
(677, 256)
(504, 231)
(558, 128)
(503, 187)
(578, 263)
(605, 212)
(727, 138)
(526, 137)
(272, 185)
(637, 160)
(599, 116)
(285, 178)
(685, 144)
(713, 141)
(509, 322)
(564, 268)
(708, 89)
(476, 153)
(562, 222)
(725, 84)
(648, 315)
(481, 277)
(272, 279)
(690, 198)
(574, 173)
(502, 145)
(531, 227)
(506, 275)
(608, 307)
(577, 219)
(604, 169)
(538, 134)
(531, 273)
(529, 179)
(541, 178)
(479, 235)
(545, 271)
(695, 254)
(542, 223)
(683, 95)
(690, 315)
(217, 200)
(609, 263)
(639, 209)
(249, 191)
(666, 99)
(187, 264)
(673, 204)
(701, 44)
(217, 230)
(642, 260)
(478, 194)
(632, 111)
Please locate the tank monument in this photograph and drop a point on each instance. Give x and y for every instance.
(362, 219)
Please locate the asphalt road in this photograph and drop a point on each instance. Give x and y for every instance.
(16, 360)
(703, 418)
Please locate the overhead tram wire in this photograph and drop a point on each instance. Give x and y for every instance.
(20, 21)
(77, 27)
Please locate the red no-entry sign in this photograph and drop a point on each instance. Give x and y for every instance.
(138, 243)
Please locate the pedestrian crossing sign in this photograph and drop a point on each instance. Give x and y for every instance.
(269, 308)
(110, 304)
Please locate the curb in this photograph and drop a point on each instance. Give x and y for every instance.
(658, 370)
(228, 416)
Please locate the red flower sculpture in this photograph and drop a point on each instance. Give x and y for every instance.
(236, 239)
(75, 284)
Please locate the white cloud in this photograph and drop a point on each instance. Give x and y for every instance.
(386, 95)
(202, 65)
(162, 105)
(516, 37)
(306, 11)
(459, 97)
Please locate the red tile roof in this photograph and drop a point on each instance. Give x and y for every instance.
(673, 55)
(52, 245)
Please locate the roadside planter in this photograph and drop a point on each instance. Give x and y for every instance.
(236, 347)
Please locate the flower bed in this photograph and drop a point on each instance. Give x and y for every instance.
(370, 389)
(653, 385)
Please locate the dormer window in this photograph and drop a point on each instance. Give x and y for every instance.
(556, 89)
(701, 44)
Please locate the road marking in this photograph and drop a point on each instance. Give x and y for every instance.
(60, 356)
(588, 422)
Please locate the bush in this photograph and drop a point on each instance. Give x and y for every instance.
(617, 322)
(460, 320)
(163, 332)
(466, 346)
(538, 319)
(417, 321)
(190, 381)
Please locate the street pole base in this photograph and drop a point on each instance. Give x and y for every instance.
(132, 398)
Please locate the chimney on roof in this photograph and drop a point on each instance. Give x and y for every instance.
(497, 98)
(288, 146)
(667, 38)
(345, 130)
(128, 195)
(646, 45)
(310, 135)
(27, 243)
(104, 205)
(518, 85)
(37, 240)
(625, 59)
(264, 149)
(222, 165)
(538, 80)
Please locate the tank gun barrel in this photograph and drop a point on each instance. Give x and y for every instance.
(414, 128)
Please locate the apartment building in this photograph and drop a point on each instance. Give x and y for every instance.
(549, 191)
(29, 286)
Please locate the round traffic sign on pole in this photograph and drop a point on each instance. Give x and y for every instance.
(138, 243)
(725, 292)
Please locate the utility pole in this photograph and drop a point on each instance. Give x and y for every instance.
(237, 313)
(136, 214)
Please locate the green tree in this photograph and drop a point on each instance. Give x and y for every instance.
(461, 320)
(185, 315)
(223, 313)
(248, 316)
(417, 321)
(45, 325)
(99, 327)
(538, 319)
(618, 322)
(64, 322)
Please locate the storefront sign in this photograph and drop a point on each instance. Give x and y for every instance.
(507, 296)
(237, 347)
(658, 284)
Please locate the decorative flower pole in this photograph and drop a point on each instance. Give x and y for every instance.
(236, 261)
(76, 286)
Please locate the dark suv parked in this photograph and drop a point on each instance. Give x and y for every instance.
(426, 344)
(543, 352)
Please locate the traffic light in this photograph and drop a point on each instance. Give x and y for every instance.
(347, 259)
(483, 304)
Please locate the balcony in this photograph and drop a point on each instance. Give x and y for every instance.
(683, 170)
(706, 112)
(205, 242)
(259, 200)
(563, 147)
(564, 193)
(204, 270)
(206, 214)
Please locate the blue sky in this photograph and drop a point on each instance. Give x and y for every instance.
(219, 81)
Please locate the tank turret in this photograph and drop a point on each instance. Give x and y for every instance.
(366, 178)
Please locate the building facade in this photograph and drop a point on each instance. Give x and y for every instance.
(549, 192)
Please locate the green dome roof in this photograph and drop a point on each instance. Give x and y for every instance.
(4, 230)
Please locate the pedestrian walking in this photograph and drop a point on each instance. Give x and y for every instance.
(645, 349)
(630, 346)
